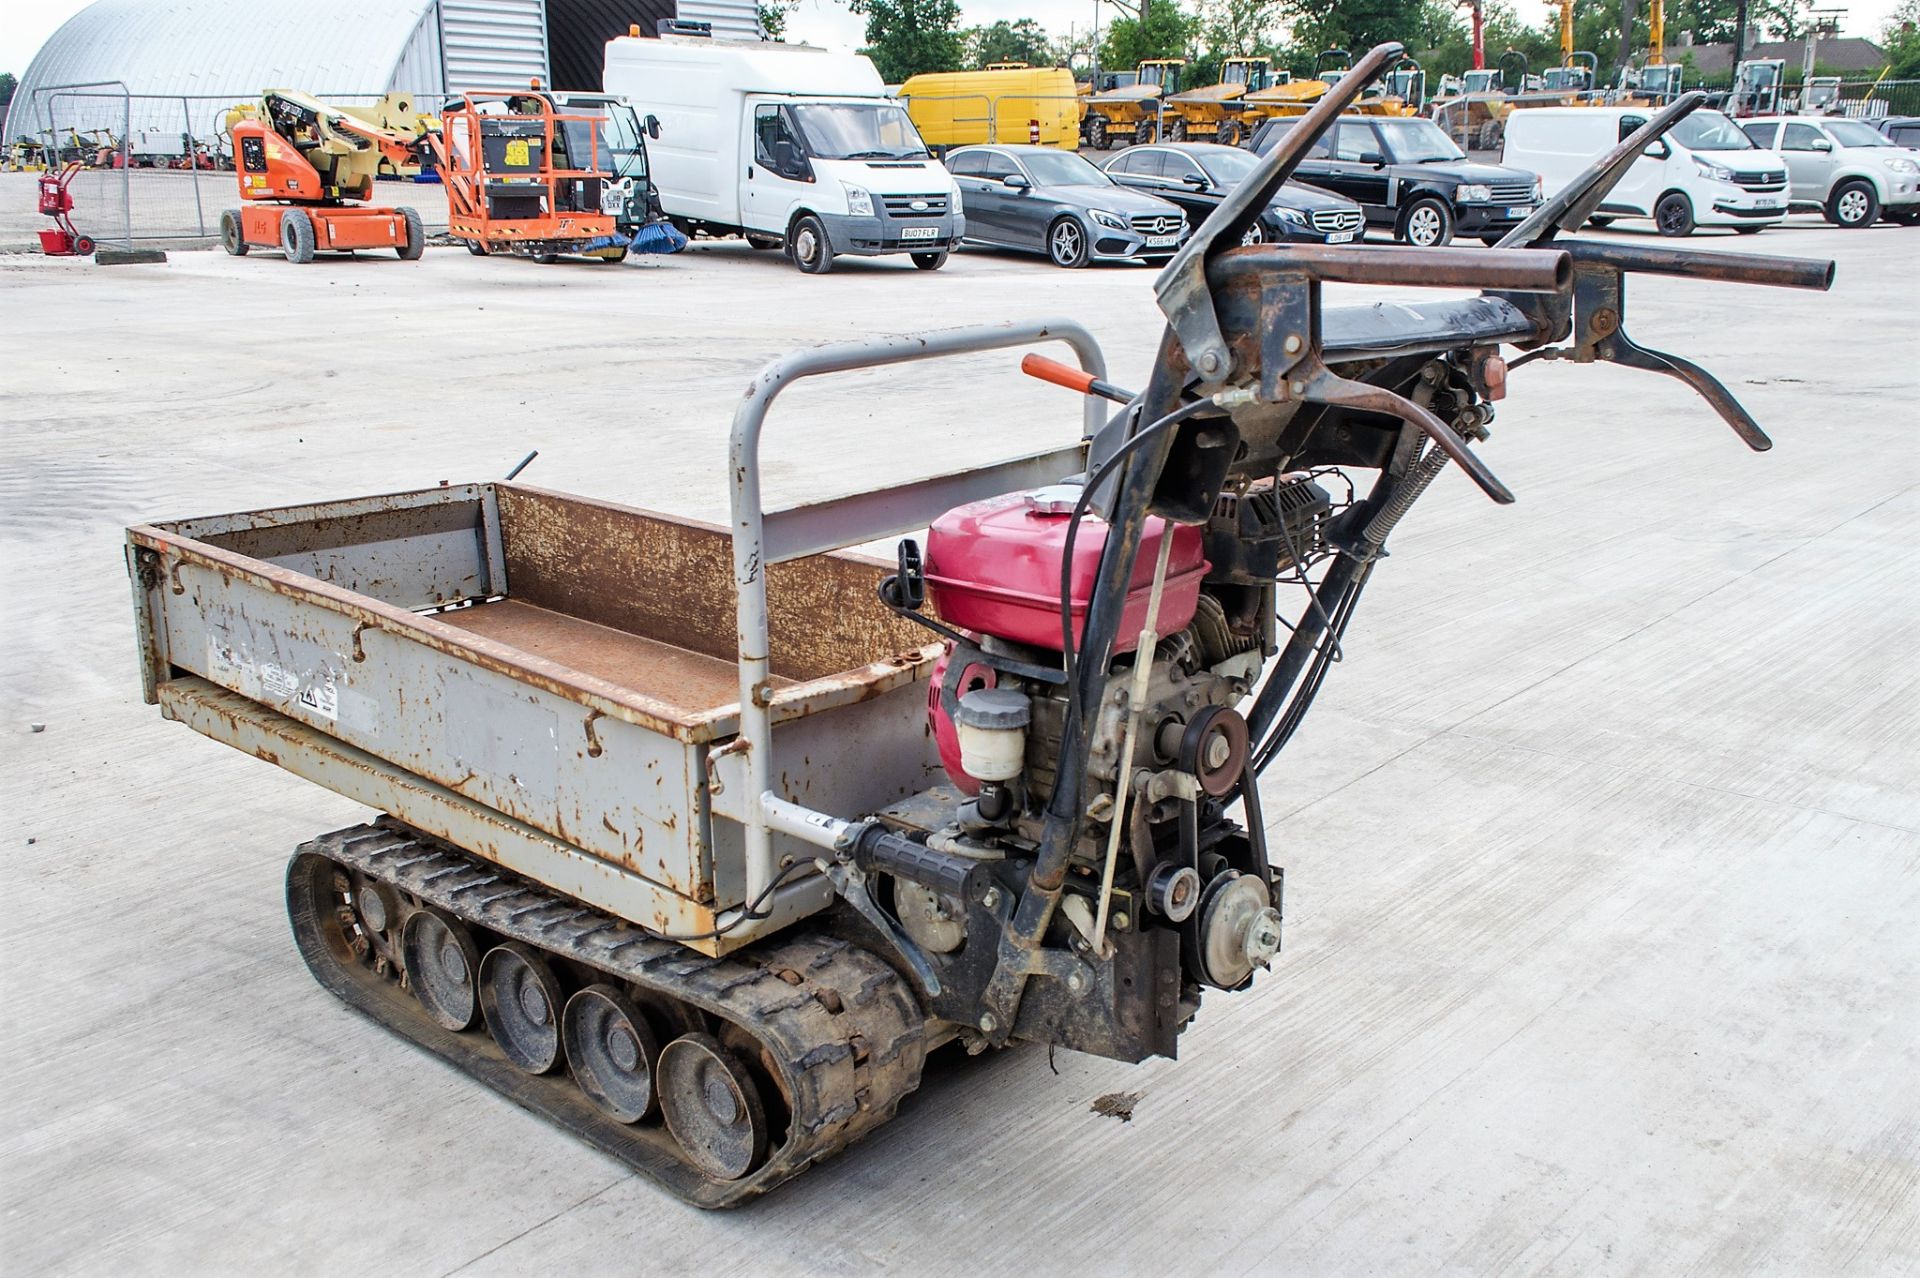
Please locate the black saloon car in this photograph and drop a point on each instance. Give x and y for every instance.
(1411, 179)
(1198, 175)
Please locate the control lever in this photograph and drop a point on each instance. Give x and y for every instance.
(1074, 379)
(1596, 327)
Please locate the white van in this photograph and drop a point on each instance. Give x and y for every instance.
(790, 146)
(1704, 172)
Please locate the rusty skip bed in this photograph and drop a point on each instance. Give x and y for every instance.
(563, 663)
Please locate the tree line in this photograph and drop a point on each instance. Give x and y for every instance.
(908, 37)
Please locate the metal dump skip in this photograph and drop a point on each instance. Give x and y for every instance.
(493, 44)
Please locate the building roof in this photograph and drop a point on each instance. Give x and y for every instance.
(229, 49)
(1847, 53)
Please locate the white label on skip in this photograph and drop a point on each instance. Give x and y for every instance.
(322, 698)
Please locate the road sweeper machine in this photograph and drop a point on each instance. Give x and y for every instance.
(698, 839)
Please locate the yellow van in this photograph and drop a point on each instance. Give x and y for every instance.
(961, 108)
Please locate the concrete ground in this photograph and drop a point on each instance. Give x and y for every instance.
(1603, 843)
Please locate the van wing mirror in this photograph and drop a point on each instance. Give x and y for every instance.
(1659, 150)
(653, 127)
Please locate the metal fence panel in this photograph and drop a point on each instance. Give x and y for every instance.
(159, 167)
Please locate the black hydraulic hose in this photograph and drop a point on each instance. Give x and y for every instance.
(1327, 602)
(1297, 708)
(1092, 486)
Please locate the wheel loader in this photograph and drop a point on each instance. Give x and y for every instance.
(697, 839)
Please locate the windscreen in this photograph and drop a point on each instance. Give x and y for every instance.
(858, 131)
(1418, 142)
(1854, 133)
(1062, 168)
(1228, 167)
(1710, 131)
(585, 142)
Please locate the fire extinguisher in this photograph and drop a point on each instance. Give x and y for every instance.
(1033, 132)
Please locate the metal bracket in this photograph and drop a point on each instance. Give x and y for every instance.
(850, 881)
(1293, 367)
(1185, 296)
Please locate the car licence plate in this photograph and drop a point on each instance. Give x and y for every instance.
(1520, 210)
(1340, 237)
(1162, 241)
(920, 233)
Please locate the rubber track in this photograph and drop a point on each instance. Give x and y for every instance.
(841, 1026)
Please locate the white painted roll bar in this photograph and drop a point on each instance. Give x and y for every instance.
(760, 538)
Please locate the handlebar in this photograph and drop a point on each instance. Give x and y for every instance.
(1738, 268)
(1510, 270)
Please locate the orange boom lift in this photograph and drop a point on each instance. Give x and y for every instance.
(525, 177)
(306, 170)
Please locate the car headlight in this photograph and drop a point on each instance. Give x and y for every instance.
(1111, 220)
(859, 200)
(1295, 217)
(1475, 193)
(959, 206)
(1718, 172)
(1900, 164)
(1539, 189)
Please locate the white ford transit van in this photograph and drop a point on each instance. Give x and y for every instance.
(790, 146)
(1704, 172)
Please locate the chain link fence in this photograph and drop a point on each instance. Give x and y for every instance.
(157, 169)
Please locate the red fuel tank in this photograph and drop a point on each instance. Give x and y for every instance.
(993, 567)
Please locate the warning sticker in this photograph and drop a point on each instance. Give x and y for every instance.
(322, 698)
(518, 154)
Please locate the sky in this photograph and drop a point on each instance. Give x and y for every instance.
(25, 24)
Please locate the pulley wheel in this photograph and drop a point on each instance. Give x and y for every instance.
(522, 1000)
(1214, 749)
(613, 1053)
(441, 960)
(712, 1107)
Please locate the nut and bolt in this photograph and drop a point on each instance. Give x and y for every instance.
(1121, 921)
(1293, 344)
(1077, 982)
(1210, 362)
(988, 1022)
(1219, 750)
(991, 899)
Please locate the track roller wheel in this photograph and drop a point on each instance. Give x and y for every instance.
(522, 1000)
(613, 1053)
(441, 959)
(712, 1107)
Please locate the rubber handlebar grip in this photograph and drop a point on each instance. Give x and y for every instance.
(878, 848)
(1052, 370)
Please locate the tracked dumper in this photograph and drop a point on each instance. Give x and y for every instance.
(697, 840)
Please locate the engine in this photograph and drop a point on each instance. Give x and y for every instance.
(1188, 885)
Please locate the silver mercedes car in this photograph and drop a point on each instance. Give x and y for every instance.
(1054, 202)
